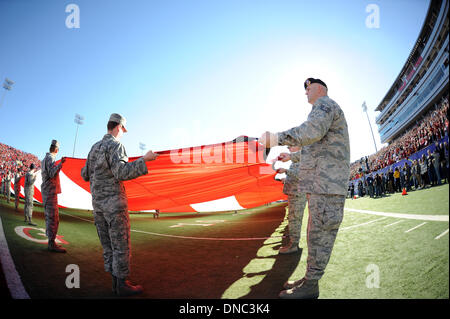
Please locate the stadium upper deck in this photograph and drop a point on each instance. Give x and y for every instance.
(423, 79)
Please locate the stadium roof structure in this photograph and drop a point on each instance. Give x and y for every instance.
(421, 40)
(423, 78)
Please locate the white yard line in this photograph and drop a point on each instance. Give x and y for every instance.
(442, 218)
(12, 277)
(444, 233)
(398, 221)
(420, 225)
(366, 223)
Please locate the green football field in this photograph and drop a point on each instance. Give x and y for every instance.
(395, 247)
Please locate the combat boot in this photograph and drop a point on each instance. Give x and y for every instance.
(52, 246)
(291, 284)
(290, 248)
(308, 289)
(124, 288)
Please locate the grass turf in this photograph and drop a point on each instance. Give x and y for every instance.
(196, 261)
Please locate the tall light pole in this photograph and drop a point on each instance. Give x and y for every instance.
(364, 106)
(79, 121)
(142, 147)
(7, 85)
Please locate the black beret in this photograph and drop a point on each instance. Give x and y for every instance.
(312, 80)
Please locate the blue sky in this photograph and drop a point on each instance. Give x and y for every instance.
(187, 73)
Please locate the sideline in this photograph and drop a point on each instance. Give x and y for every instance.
(440, 218)
(12, 277)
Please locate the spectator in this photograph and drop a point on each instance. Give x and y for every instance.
(407, 176)
(397, 186)
(360, 189)
(416, 174)
(369, 182)
(437, 163)
(446, 164)
(430, 166)
(424, 171)
(378, 185)
(443, 160)
(383, 183)
(391, 181)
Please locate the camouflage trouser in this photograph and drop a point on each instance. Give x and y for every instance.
(16, 197)
(113, 230)
(28, 208)
(296, 207)
(325, 216)
(51, 212)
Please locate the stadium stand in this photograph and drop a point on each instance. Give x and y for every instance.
(413, 117)
(11, 159)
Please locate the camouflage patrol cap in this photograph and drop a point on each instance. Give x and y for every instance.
(312, 80)
(56, 143)
(117, 118)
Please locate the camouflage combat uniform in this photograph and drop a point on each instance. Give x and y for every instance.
(8, 186)
(323, 176)
(50, 188)
(30, 178)
(106, 168)
(296, 199)
(17, 190)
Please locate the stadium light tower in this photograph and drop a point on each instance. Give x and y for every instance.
(142, 147)
(7, 85)
(79, 121)
(364, 106)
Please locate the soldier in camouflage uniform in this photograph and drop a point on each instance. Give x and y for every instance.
(324, 172)
(8, 186)
(296, 199)
(50, 188)
(30, 178)
(17, 178)
(106, 168)
(3, 185)
(2, 189)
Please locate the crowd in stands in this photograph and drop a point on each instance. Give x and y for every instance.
(14, 161)
(429, 170)
(432, 128)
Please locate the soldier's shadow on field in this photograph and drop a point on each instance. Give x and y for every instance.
(281, 271)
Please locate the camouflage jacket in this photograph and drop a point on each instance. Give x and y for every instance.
(17, 183)
(106, 168)
(325, 153)
(30, 178)
(50, 175)
(291, 184)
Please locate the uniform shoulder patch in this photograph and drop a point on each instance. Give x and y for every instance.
(324, 107)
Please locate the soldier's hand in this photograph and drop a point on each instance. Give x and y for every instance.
(284, 157)
(63, 160)
(281, 170)
(268, 140)
(150, 156)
